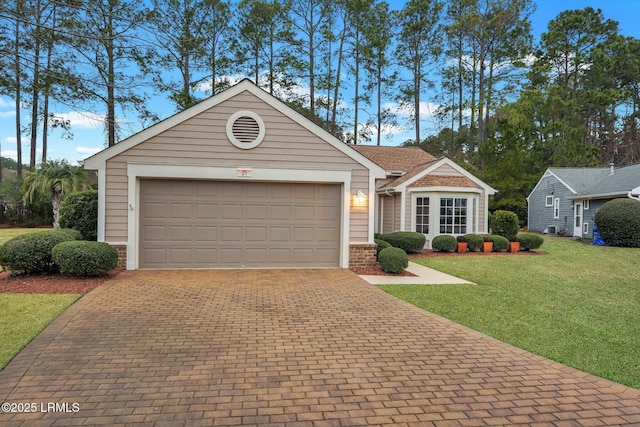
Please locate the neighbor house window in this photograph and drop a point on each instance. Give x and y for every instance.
(422, 215)
(453, 215)
(585, 228)
(549, 201)
(556, 208)
(585, 205)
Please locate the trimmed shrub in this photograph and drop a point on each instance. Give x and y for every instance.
(73, 234)
(80, 212)
(31, 253)
(475, 242)
(618, 222)
(505, 224)
(461, 239)
(84, 258)
(529, 242)
(382, 244)
(499, 243)
(444, 243)
(393, 260)
(408, 241)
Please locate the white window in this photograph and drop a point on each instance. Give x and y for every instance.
(585, 228)
(556, 208)
(453, 215)
(549, 201)
(422, 215)
(585, 204)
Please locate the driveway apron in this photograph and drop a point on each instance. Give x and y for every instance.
(285, 347)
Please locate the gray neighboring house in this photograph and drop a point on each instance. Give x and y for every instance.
(565, 200)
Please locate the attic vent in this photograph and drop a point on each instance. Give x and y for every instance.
(245, 130)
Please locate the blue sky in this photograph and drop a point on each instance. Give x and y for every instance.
(89, 136)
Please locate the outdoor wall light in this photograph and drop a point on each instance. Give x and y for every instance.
(361, 197)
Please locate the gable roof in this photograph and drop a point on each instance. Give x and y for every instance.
(395, 159)
(597, 182)
(444, 181)
(98, 161)
(414, 167)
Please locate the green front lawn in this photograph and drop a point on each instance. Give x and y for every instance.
(23, 316)
(578, 304)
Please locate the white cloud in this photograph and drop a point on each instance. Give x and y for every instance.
(82, 119)
(87, 150)
(7, 114)
(11, 154)
(10, 140)
(7, 103)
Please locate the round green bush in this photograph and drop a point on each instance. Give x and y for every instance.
(505, 224)
(444, 243)
(618, 222)
(31, 253)
(382, 244)
(474, 241)
(80, 212)
(409, 241)
(499, 243)
(530, 242)
(84, 258)
(73, 234)
(393, 260)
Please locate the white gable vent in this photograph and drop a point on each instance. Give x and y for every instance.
(245, 129)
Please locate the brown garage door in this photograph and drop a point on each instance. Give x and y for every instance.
(218, 224)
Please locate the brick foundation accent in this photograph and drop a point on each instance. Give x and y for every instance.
(122, 256)
(362, 254)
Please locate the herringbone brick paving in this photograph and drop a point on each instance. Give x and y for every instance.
(287, 347)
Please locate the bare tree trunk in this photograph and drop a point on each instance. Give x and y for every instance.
(18, 89)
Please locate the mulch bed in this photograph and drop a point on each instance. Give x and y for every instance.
(51, 283)
(428, 253)
(377, 271)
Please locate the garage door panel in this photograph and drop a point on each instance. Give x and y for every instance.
(231, 211)
(180, 233)
(201, 224)
(303, 256)
(279, 234)
(204, 256)
(256, 212)
(204, 233)
(230, 234)
(280, 212)
(154, 256)
(255, 256)
(155, 233)
(303, 234)
(304, 213)
(180, 210)
(256, 234)
(206, 211)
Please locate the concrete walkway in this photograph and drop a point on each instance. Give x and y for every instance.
(423, 276)
(276, 347)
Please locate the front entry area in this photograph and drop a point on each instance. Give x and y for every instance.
(230, 224)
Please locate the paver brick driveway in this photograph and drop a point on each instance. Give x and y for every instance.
(297, 347)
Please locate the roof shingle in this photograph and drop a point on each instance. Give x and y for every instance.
(395, 158)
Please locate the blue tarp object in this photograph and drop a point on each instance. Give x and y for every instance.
(597, 240)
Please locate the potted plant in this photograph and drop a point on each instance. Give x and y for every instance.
(487, 245)
(462, 244)
(514, 245)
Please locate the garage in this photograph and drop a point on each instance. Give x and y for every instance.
(236, 224)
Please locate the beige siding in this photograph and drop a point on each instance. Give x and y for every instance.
(446, 170)
(391, 213)
(202, 140)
